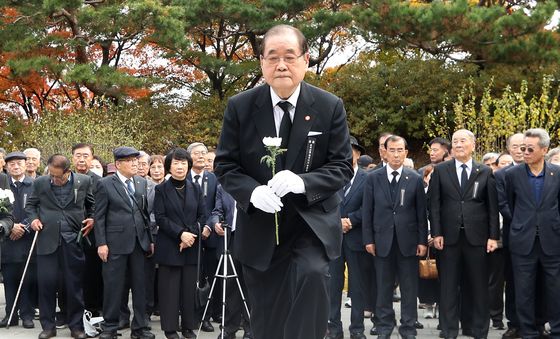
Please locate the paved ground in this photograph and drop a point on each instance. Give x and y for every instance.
(429, 331)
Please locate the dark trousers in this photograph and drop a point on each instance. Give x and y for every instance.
(115, 271)
(69, 261)
(12, 273)
(151, 286)
(290, 300)
(354, 260)
(387, 269)
(526, 268)
(511, 312)
(93, 280)
(176, 295)
(496, 270)
(463, 263)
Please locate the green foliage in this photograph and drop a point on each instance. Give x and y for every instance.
(493, 118)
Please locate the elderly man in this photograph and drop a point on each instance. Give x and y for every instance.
(208, 184)
(286, 267)
(395, 230)
(533, 198)
(16, 247)
(123, 241)
(32, 162)
(465, 227)
(60, 208)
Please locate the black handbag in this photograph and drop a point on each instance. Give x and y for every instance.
(202, 284)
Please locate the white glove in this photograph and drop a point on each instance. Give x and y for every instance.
(264, 199)
(285, 182)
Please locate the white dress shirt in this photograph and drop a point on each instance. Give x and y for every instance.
(459, 169)
(278, 112)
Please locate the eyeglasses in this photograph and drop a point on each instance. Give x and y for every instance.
(199, 153)
(289, 59)
(528, 149)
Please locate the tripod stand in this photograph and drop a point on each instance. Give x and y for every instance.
(225, 258)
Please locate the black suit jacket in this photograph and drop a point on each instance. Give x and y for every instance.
(476, 209)
(223, 211)
(322, 160)
(43, 205)
(527, 214)
(208, 190)
(6, 219)
(406, 216)
(115, 223)
(16, 251)
(351, 207)
(503, 206)
(175, 216)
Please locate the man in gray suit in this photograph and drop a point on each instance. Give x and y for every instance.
(395, 231)
(123, 240)
(60, 207)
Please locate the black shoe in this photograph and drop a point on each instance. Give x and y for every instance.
(28, 323)
(384, 336)
(207, 326)
(172, 335)
(4, 322)
(334, 335)
(108, 335)
(78, 334)
(46, 334)
(498, 325)
(467, 332)
(441, 335)
(409, 336)
(123, 324)
(247, 335)
(60, 323)
(418, 325)
(227, 335)
(142, 334)
(188, 334)
(357, 336)
(511, 333)
(373, 330)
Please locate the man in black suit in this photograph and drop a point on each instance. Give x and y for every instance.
(465, 227)
(286, 279)
(123, 240)
(82, 155)
(439, 150)
(395, 230)
(353, 254)
(16, 246)
(207, 182)
(60, 207)
(225, 211)
(533, 196)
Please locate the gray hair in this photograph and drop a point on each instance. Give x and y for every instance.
(490, 155)
(542, 134)
(552, 153)
(508, 140)
(143, 154)
(33, 150)
(196, 144)
(468, 133)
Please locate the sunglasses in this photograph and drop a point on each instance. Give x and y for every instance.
(528, 149)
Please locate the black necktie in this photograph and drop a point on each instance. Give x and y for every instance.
(394, 185)
(285, 124)
(130, 190)
(464, 178)
(196, 177)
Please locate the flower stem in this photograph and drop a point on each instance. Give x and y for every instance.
(276, 222)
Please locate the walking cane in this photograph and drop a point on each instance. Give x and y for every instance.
(22, 278)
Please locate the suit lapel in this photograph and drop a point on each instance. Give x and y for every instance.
(303, 119)
(121, 189)
(383, 181)
(548, 178)
(355, 185)
(75, 188)
(173, 196)
(474, 174)
(51, 194)
(452, 171)
(263, 115)
(403, 182)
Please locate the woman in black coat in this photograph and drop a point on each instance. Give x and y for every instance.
(179, 209)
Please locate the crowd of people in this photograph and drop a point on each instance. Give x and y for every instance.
(152, 226)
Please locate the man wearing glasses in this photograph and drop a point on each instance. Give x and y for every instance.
(533, 198)
(286, 278)
(60, 207)
(123, 241)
